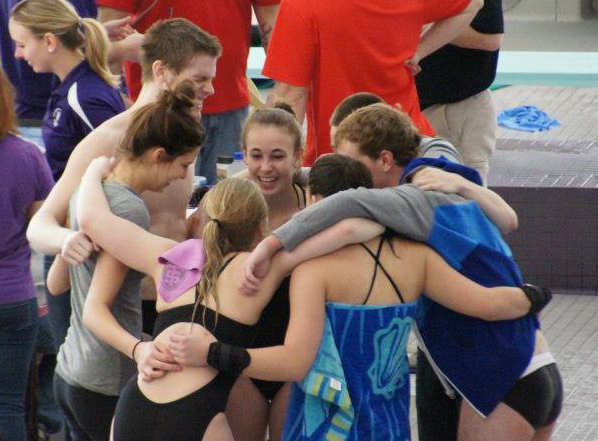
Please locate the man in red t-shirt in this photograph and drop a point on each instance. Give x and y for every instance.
(324, 50)
(230, 21)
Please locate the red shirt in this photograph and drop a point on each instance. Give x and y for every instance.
(229, 20)
(337, 48)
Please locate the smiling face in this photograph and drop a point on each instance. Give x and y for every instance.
(35, 51)
(201, 71)
(270, 157)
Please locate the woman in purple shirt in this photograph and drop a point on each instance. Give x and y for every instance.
(25, 181)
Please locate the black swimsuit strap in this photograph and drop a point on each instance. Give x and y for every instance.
(376, 262)
(376, 257)
(222, 268)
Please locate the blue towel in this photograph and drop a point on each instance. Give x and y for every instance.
(527, 119)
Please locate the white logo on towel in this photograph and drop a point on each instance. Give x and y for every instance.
(335, 384)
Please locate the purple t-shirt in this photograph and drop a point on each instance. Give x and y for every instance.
(78, 105)
(24, 178)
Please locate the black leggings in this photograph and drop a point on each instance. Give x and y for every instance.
(88, 414)
(186, 419)
(538, 397)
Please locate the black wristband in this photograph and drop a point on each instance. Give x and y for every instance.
(538, 296)
(229, 359)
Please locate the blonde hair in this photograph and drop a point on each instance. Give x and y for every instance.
(60, 18)
(235, 209)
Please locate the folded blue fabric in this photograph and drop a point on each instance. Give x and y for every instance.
(527, 119)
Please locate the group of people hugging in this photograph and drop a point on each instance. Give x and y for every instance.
(285, 301)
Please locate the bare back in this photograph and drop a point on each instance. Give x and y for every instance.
(347, 274)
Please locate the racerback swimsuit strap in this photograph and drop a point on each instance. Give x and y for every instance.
(376, 258)
(222, 268)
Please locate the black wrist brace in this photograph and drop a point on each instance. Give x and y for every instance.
(538, 296)
(229, 359)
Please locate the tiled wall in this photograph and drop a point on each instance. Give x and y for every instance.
(556, 243)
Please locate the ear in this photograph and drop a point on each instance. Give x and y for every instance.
(159, 155)
(51, 41)
(387, 160)
(159, 71)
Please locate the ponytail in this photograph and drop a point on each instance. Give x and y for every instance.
(96, 47)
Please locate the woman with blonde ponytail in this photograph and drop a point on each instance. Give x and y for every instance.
(51, 37)
(198, 282)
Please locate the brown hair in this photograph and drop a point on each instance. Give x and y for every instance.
(235, 209)
(282, 116)
(175, 42)
(351, 104)
(8, 117)
(60, 18)
(333, 173)
(173, 123)
(379, 127)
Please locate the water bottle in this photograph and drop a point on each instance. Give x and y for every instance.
(238, 165)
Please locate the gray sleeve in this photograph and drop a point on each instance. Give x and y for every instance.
(125, 204)
(437, 147)
(434, 148)
(404, 209)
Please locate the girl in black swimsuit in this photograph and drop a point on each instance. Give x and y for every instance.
(273, 146)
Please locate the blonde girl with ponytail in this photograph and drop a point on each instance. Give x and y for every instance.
(198, 283)
(51, 37)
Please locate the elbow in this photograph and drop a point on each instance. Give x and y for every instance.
(54, 289)
(493, 42)
(476, 5)
(510, 224)
(298, 372)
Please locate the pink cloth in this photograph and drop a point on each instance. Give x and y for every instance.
(183, 267)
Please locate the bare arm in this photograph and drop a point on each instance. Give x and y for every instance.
(46, 232)
(58, 277)
(472, 39)
(126, 241)
(266, 17)
(108, 277)
(444, 31)
(345, 232)
(125, 48)
(491, 203)
(292, 360)
(451, 289)
(294, 95)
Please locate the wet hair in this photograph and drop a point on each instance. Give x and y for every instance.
(175, 42)
(173, 123)
(379, 127)
(282, 116)
(235, 209)
(351, 104)
(60, 18)
(333, 173)
(8, 117)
